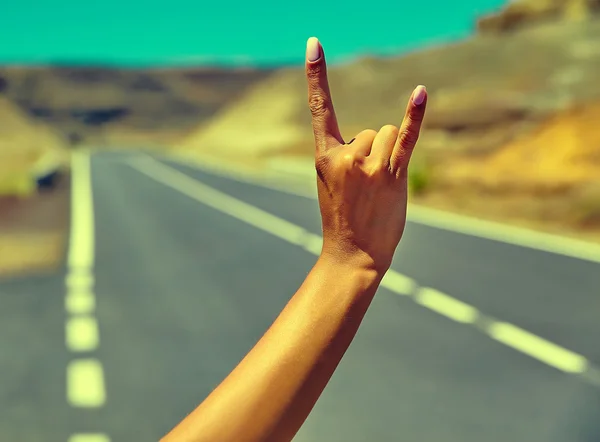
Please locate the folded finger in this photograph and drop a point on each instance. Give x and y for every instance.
(383, 145)
(363, 142)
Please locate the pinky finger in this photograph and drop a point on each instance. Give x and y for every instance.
(410, 129)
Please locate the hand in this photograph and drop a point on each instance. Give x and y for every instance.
(362, 185)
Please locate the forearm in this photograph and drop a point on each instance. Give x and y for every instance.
(271, 392)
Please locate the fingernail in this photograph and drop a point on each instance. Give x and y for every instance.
(313, 49)
(350, 142)
(419, 95)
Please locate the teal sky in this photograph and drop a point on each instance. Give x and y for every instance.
(186, 32)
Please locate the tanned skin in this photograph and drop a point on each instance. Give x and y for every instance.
(363, 189)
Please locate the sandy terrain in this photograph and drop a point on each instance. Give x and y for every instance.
(32, 225)
(511, 130)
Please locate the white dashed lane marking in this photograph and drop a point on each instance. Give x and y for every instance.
(508, 334)
(85, 376)
(438, 219)
(82, 333)
(85, 383)
(89, 437)
(446, 305)
(537, 347)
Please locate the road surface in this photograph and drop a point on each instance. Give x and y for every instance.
(182, 290)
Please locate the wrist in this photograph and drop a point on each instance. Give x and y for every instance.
(358, 263)
(347, 255)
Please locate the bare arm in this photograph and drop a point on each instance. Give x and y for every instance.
(362, 195)
(270, 393)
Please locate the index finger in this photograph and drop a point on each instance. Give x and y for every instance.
(324, 121)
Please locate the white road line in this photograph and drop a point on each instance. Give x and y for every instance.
(82, 334)
(313, 243)
(260, 178)
(79, 280)
(504, 233)
(222, 202)
(85, 377)
(438, 219)
(81, 242)
(398, 283)
(85, 383)
(446, 305)
(89, 437)
(80, 303)
(508, 334)
(76, 281)
(537, 347)
(80, 296)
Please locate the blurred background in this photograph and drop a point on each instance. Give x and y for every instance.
(137, 140)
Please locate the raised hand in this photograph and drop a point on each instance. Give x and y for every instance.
(362, 184)
(362, 194)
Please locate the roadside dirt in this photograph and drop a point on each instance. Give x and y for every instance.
(33, 231)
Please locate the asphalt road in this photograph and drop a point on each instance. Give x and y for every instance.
(183, 291)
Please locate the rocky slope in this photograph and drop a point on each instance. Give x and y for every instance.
(523, 13)
(44, 109)
(24, 145)
(122, 106)
(32, 229)
(512, 116)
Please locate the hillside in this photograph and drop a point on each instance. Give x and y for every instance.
(512, 114)
(47, 108)
(110, 106)
(510, 130)
(24, 144)
(32, 229)
(495, 87)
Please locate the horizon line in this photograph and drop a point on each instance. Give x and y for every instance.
(218, 63)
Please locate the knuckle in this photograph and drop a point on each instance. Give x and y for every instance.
(315, 70)
(349, 161)
(317, 104)
(400, 163)
(416, 117)
(409, 136)
(400, 159)
(401, 172)
(383, 165)
(322, 162)
(379, 167)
